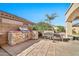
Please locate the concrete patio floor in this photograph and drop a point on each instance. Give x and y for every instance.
(3, 53)
(42, 47)
(14, 50)
(48, 48)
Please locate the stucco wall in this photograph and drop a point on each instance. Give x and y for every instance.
(14, 22)
(9, 22)
(68, 28)
(68, 18)
(4, 29)
(76, 29)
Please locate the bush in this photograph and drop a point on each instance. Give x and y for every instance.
(60, 29)
(41, 26)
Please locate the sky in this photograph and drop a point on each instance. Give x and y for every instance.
(36, 12)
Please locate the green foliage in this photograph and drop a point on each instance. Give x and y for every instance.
(60, 29)
(41, 26)
(52, 16)
(44, 25)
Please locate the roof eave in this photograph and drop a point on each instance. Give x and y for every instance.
(69, 8)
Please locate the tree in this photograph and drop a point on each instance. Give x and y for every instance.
(41, 26)
(51, 17)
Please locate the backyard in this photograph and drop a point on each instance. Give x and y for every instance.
(45, 36)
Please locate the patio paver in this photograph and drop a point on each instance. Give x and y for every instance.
(14, 50)
(3, 53)
(48, 48)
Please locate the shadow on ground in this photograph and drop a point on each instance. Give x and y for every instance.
(14, 50)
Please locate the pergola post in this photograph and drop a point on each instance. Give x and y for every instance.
(68, 28)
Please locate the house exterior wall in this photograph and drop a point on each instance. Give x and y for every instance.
(76, 29)
(4, 29)
(70, 17)
(68, 28)
(71, 9)
(11, 21)
(8, 22)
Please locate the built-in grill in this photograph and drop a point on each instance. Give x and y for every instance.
(24, 34)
